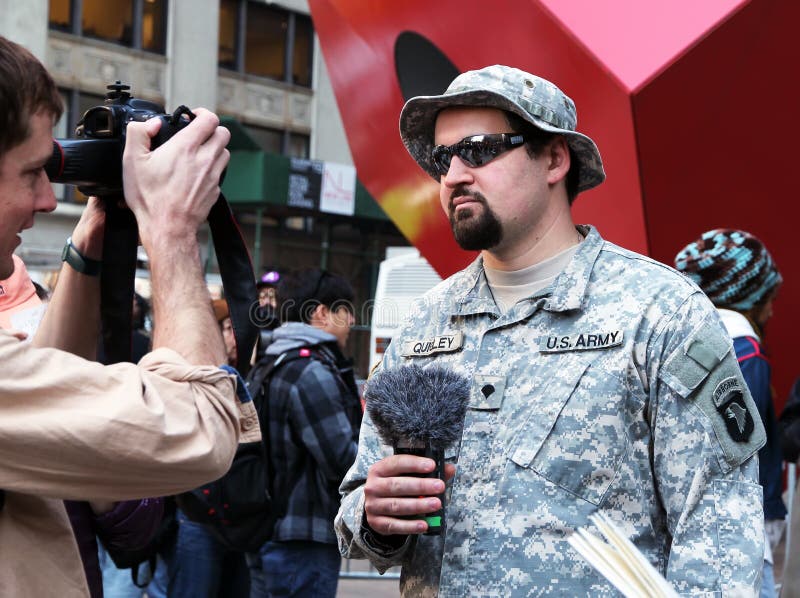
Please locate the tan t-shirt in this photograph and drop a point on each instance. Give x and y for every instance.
(509, 287)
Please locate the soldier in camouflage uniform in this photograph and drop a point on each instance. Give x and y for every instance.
(601, 380)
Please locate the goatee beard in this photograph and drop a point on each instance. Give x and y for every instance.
(475, 231)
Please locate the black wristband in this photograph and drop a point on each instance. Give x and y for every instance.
(78, 261)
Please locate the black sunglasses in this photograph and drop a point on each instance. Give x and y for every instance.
(475, 150)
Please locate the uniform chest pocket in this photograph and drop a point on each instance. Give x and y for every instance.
(576, 434)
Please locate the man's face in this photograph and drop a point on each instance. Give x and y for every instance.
(268, 297)
(338, 322)
(230, 340)
(492, 206)
(24, 187)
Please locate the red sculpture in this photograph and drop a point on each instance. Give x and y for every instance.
(692, 104)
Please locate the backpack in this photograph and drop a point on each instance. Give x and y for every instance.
(133, 559)
(240, 508)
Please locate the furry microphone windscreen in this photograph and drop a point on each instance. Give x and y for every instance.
(410, 403)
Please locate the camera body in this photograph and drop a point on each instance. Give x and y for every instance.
(93, 162)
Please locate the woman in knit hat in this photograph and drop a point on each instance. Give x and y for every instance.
(735, 270)
(739, 276)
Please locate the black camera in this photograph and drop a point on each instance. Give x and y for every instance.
(94, 161)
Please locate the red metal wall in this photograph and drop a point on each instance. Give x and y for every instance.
(692, 104)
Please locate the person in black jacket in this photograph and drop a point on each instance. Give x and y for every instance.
(789, 425)
(314, 417)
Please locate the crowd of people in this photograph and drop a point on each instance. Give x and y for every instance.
(602, 381)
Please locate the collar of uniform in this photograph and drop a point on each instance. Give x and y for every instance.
(569, 287)
(475, 297)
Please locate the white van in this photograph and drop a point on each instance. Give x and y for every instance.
(402, 277)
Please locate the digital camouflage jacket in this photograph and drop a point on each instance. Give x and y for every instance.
(615, 389)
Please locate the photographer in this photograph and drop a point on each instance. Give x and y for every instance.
(74, 429)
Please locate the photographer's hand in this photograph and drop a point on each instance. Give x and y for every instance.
(172, 188)
(170, 191)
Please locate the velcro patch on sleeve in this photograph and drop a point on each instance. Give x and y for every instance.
(704, 370)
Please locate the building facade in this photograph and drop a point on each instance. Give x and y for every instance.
(258, 64)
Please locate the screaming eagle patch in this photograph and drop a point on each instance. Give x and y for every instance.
(730, 403)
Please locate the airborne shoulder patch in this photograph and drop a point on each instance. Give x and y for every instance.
(729, 400)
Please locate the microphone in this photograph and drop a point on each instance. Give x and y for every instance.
(419, 412)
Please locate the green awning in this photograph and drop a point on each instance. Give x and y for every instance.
(256, 178)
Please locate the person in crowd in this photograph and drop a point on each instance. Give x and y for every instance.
(737, 273)
(141, 339)
(193, 562)
(73, 429)
(314, 417)
(118, 583)
(789, 431)
(222, 313)
(601, 380)
(789, 425)
(266, 314)
(267, 287)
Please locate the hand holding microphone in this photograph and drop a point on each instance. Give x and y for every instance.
(419, 412)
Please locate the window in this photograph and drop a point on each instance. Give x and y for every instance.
(270, 140)
(303, 51)
(298, 146)
(109, 21)
(228, 25)
(294, 145)
(154, 26)
(61, 15)
(138, 24)
(266, 41)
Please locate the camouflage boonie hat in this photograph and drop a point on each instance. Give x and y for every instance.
(534, 99)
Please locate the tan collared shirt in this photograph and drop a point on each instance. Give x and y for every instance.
(75, 429)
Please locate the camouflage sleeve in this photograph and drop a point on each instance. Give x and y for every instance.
(706, 434)
(356, 540)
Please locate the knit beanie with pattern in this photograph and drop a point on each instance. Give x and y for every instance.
(732, 267)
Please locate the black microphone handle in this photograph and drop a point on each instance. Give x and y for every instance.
(435, 519)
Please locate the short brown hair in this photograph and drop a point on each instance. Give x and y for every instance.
(25, 88)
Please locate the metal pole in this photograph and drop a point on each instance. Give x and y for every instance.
(325, 245)
(257, 244)
(136, 25)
